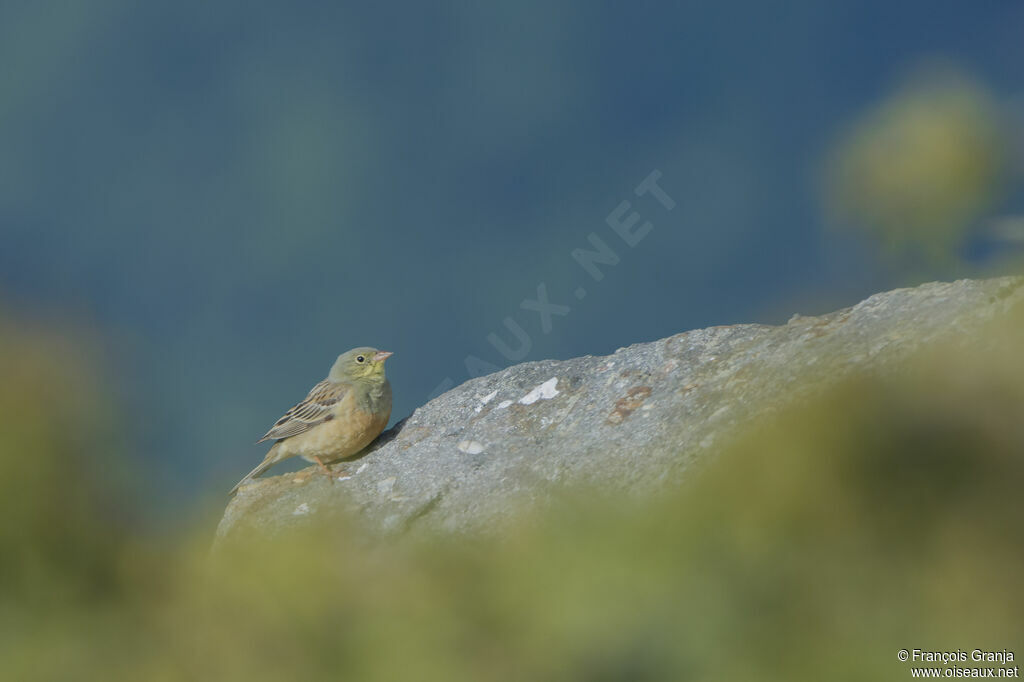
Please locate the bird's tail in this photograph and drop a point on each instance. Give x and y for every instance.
(268, 461)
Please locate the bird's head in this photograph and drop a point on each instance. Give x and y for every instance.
(360, 364)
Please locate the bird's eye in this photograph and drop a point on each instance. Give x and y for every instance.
(360, 358)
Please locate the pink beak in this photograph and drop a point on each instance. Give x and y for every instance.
(382, 355)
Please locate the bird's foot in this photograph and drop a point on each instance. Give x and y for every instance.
(324, 469)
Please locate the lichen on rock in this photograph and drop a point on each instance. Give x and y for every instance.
(632, 421)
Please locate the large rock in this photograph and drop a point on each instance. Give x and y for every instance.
(631, 420)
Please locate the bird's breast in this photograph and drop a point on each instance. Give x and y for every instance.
(353, 425)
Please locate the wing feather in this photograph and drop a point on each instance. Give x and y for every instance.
(314, 409)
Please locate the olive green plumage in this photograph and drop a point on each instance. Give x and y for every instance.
(341, 415)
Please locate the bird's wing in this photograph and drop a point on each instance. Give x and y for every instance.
(315, 409)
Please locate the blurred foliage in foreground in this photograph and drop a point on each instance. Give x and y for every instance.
(885, 515)
(924, 166)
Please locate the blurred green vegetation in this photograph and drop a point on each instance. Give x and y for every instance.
(884, 515)
(922, 167)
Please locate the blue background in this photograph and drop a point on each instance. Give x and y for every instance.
(221, 197)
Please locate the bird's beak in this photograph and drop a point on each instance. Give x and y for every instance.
(382, 355)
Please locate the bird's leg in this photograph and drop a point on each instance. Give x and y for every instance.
(324, 469)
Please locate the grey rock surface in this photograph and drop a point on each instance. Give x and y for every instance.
(632, 420)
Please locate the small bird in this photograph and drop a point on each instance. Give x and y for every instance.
(339, 417)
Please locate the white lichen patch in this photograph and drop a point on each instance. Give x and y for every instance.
(343, 477)
(471, 447)
(503, 404)
(302, 510)
(486, 399)
(719, 412)
(362, 468)
(545, 391)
